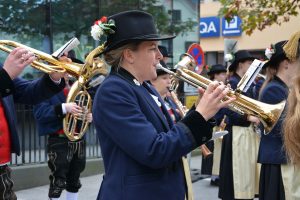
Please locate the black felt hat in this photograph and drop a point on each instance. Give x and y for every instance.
(163, 50)
(131, 26)
(240, 56)
(278, 54)
(218, 68)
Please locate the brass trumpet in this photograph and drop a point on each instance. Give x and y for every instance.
(267, 113)
(74, 126)
(53, 65)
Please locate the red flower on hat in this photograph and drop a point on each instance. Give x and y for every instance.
(101, 27)
(269, 52)
(101, 21)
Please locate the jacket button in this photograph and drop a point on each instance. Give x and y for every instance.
(7, 90)
(203, 139)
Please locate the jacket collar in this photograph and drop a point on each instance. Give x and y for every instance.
(276, 78)
(146, 89)
(123, 73)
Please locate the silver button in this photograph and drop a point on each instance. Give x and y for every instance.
(7, 90)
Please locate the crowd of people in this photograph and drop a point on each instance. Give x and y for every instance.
(144, 138)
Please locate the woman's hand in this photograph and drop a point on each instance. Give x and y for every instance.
(89, 117)
(17, 60)
(73, 108)
(253, 119)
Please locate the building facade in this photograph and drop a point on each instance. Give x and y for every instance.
(255, 43)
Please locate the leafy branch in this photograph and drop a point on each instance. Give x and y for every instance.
(259, 14)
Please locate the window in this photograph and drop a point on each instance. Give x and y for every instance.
(176, 16)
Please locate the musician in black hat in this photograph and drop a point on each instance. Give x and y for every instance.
(274, 166)
(14, 89)
(238, 169)
(291, 122)
(164, 52)
(141, 146)
(217, 72)
(210, 165)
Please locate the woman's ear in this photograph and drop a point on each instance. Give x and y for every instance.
(286, 63)
(128, 56)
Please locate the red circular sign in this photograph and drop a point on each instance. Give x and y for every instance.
(197, 53)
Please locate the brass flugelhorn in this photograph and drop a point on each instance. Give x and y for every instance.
(267, 113)
(75, 126)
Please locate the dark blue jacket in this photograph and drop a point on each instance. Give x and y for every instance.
(26, 92)
(257, 87)
(49, 114)
(233, 118)
(271, 145)
(141, 146)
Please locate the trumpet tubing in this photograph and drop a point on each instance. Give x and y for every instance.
(44, 62)
(74, 126)
(267, 113)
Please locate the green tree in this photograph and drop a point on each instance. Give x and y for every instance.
(27, 17)
(259, 14)
(161, 16)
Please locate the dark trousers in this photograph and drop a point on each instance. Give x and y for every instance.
(6, 184)
(270, 183)
(66, 162)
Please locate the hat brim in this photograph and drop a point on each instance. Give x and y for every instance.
(136, 39)
(215, 72)
(233, 65)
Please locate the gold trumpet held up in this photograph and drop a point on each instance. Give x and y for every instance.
(74, 126)
(267, 113)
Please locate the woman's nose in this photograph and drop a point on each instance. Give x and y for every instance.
(159, 55)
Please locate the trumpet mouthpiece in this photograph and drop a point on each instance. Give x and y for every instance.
(159, 66)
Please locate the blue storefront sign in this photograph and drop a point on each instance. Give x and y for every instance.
(209, 27)
(233, 28)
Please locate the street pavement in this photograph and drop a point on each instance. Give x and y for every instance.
(90, 186)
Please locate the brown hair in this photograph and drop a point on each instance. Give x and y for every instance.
(115, 56)
(291, 125)
(270, 73)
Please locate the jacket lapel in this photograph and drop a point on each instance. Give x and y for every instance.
(146, 90)
(163, 107)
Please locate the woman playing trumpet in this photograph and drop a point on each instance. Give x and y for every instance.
(141, 146)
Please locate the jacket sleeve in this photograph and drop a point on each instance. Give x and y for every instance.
(49, 110)
(33, 92)
(48, 115)
(117, 115)
(7, 85)
(273, 95)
